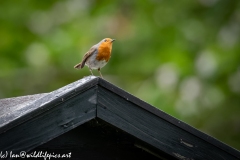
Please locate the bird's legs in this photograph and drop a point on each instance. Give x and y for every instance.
(91, 71)
(100, 72)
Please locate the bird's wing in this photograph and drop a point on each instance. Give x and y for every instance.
(86, 56)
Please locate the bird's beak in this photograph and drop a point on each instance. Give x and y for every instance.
(113, 40)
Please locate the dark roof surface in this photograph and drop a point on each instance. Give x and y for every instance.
(92, 97)
(12, 109)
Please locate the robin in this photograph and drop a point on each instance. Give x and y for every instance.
(98, 56)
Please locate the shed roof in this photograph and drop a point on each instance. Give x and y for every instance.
(39, 118)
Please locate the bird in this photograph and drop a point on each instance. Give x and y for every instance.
(97, 56)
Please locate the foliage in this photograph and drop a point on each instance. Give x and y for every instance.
(181, 56)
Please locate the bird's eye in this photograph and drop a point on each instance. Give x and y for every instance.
(105, 40)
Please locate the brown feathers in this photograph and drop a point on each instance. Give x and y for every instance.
(86, 56)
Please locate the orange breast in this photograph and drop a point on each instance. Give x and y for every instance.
(104, 52)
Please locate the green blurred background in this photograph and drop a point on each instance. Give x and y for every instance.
(180, 56)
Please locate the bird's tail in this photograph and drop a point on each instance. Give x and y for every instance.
(79, 66)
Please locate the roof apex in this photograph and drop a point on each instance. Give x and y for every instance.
(72, 105)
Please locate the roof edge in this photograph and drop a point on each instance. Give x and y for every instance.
(169, 118)
(45, 102)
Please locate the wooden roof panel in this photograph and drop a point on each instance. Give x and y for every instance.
(57, 112)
